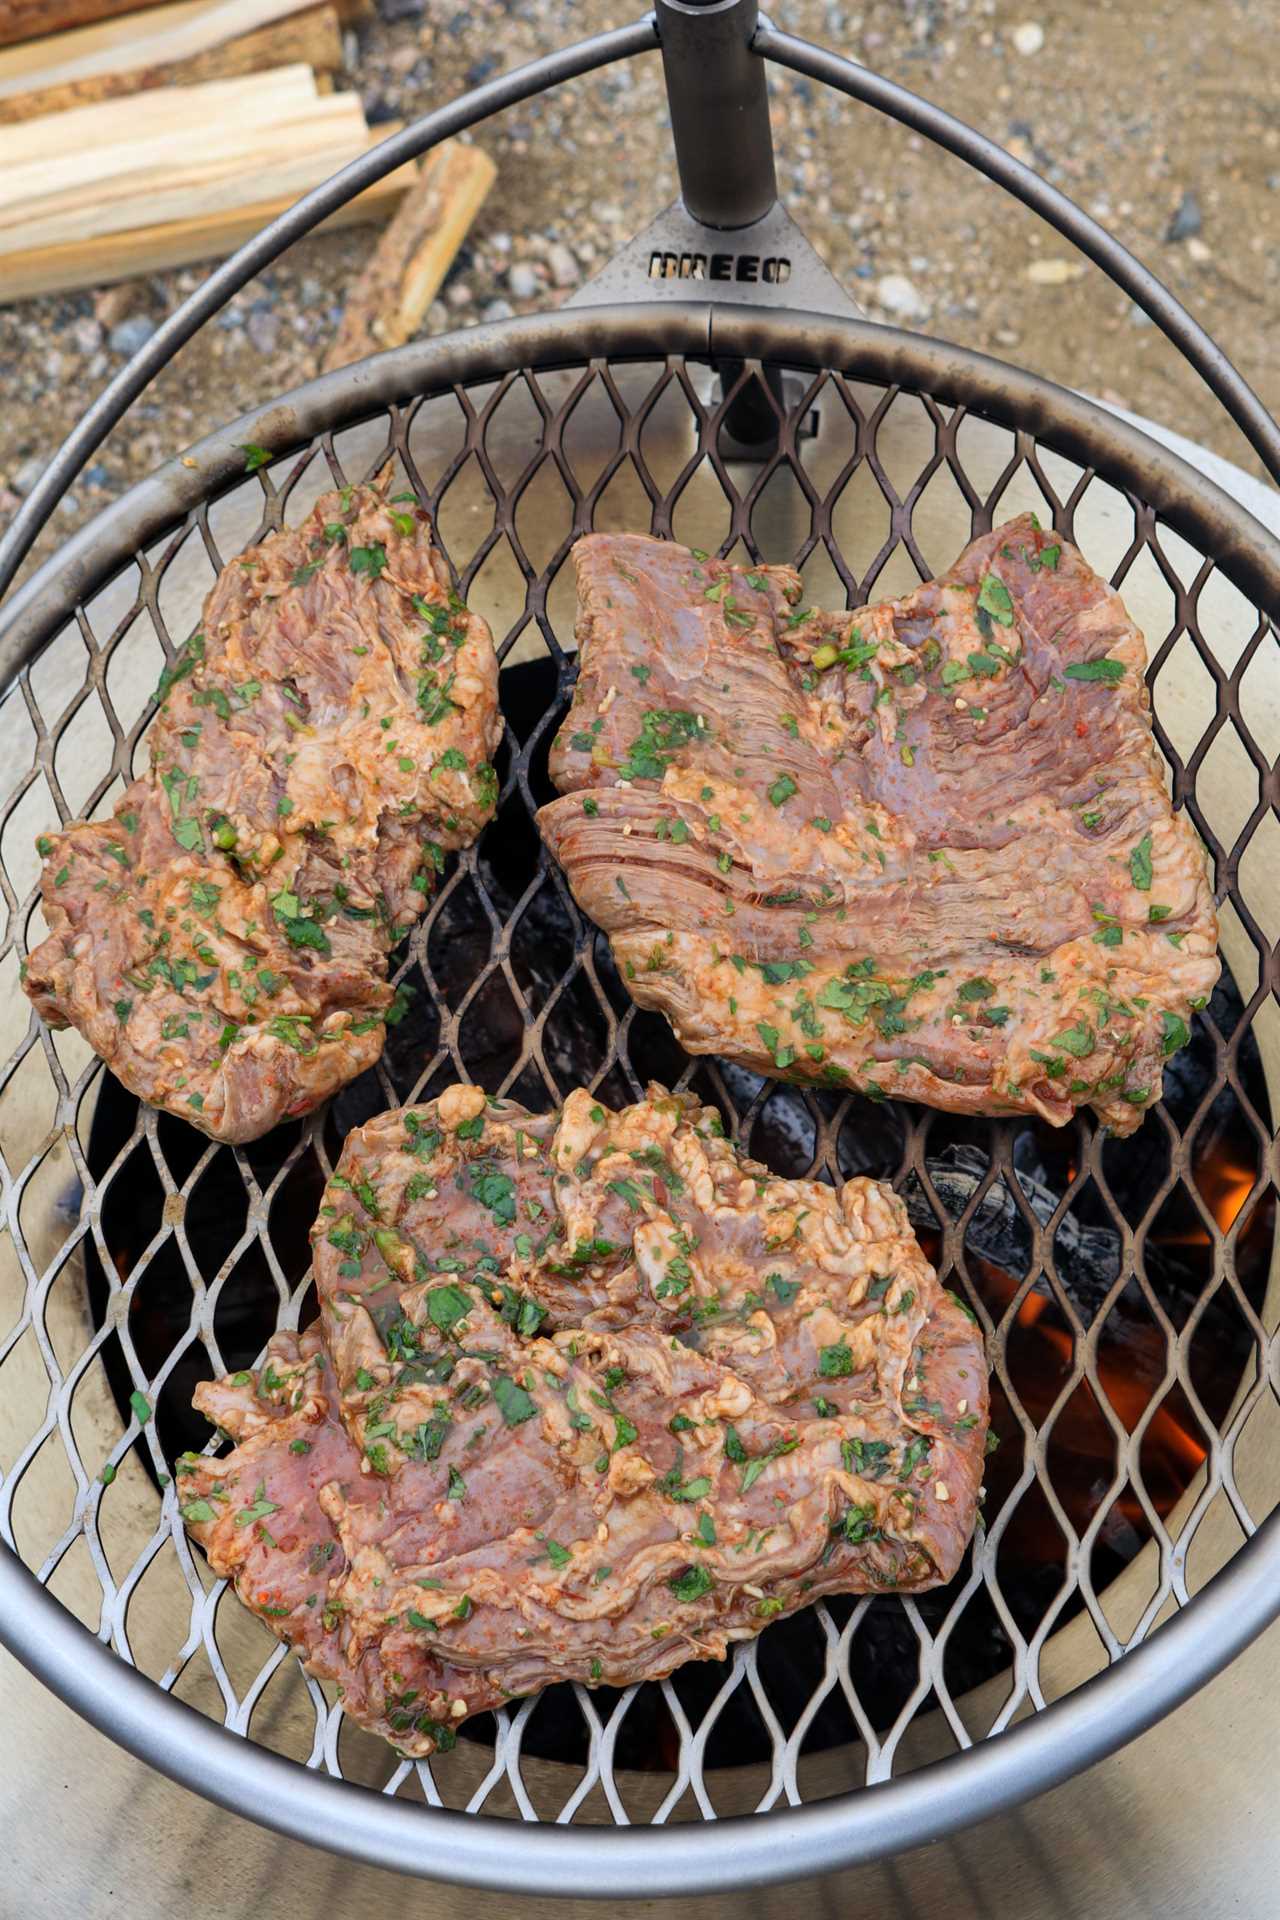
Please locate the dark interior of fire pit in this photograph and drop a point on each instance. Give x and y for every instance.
(778, 1127)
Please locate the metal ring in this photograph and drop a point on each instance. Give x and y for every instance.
(993, 1775)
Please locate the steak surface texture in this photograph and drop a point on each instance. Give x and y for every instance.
(322, 742)
(924, 849)
(590, 1396)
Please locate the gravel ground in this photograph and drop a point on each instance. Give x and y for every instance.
(1160, 123)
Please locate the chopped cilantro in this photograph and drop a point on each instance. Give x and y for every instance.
(1077, 1040)
(1175, 1034)
(994, 598)
(514, 1404)
(691, 1584)
(1140, 864)
(1104, 669)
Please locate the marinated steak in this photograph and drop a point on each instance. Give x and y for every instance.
(590, 1396)
(324, 739)
(924, 849)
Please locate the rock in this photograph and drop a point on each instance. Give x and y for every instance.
(87, 335)
(393, 10)
(128, 336)
(1197, 251)
(1187, 220)
(97, 475)
(497, 310)
(898, 295)
(9, 501)
(458, 294)
(114, 303)
(1054, 273)
(263, 329)
(565, 271)
(27, 474)
(522, 281)
(1028, 38)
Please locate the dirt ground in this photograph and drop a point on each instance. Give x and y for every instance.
(1157, 116)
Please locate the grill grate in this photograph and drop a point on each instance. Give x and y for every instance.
(113, 1211)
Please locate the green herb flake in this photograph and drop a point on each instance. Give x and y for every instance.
(978, 988)
(1175, 1033)
(446, 1306)
(691, 1584)
(260, 1509)
(1105, 670)
(1140, 864)
(513, 1402)
(994, 598)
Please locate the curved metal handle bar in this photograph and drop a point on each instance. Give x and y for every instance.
(507, 90)
(1128, 272)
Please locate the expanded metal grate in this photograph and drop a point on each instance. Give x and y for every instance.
(1125, 1289)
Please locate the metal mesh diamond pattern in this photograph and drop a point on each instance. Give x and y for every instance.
(118, 1228)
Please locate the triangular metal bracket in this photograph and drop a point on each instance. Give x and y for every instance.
(676, 258)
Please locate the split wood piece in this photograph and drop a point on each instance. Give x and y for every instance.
(101, 259)
(27, 19)
(190, 150)
(309, 36)
(23, 20)
(160, 37)
(106, 44)
(409, 263)
(79, 138)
